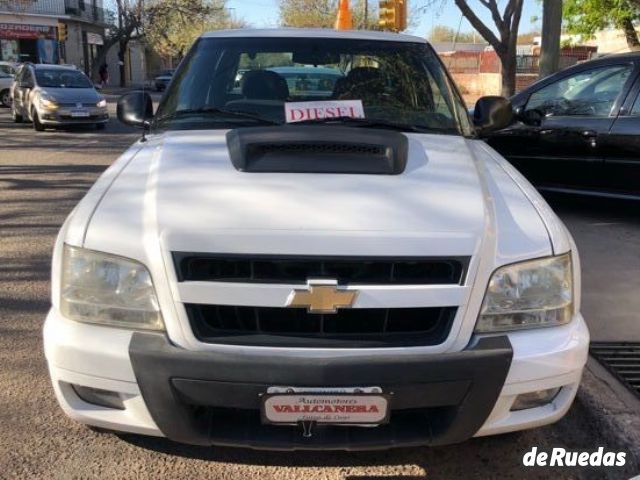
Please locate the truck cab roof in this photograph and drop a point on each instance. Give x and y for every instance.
(314, 33)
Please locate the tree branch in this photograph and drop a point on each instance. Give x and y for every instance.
(476, 23)
(495, 14)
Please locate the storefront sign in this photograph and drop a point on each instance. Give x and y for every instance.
(94, 39)
(9, 31)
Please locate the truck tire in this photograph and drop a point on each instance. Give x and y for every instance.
(37, 126)
(5, 97)
(17, 118)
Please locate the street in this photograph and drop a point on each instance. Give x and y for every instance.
(42, 177)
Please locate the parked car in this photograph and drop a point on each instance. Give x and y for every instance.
(162, 80)
(56, 95)
(309, 82)
(8, 68)
(279, 274)
(578, 131)
(6, 80)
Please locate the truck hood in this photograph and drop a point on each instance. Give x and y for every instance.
(181, 192)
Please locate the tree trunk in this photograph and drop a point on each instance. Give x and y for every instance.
(551, 31)
(631, 35)
(122, 50)
(508, 63)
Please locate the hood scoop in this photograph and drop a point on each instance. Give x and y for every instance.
(317, 149)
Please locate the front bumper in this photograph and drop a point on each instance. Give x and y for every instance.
(64, 117)
(212, 398)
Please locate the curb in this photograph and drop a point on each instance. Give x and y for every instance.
(612, 409)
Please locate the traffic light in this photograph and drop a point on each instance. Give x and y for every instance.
(393, 15)
(387, 19)
(62, 32)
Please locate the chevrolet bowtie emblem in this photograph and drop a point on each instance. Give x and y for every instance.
(322, 296)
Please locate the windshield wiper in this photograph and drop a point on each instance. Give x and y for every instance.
(216, 111)
(370, 123)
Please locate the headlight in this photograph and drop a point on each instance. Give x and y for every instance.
(109, 290)
(537, 293)
(48, 103)
(102, 103)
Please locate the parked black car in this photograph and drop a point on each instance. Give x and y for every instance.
(578, 131)
(162, 80)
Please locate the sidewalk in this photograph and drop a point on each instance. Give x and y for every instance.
(612, 408)
(113, 93)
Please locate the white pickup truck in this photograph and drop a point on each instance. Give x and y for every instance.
(314, 263)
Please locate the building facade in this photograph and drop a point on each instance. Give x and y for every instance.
(29, 31)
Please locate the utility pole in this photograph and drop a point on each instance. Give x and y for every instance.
(551, 31)
(366, 14)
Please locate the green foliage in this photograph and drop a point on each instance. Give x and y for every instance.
(527, 38)
(586, 17)
(322, 13)
(442, 33)
(171, 26)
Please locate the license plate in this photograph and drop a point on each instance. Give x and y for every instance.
(347, 406)
(79, 113)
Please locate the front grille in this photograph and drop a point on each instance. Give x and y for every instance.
(349, 328)
(622, 359)
(76, 105)
(317, 147)
(296, 270)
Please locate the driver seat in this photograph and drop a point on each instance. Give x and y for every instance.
(264, 85)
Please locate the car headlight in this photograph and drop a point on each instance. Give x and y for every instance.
(102, 103)
(48, 103)
(109, 290)
(531, 294)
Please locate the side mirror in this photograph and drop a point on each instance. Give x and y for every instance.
(532, 117)
(97, 86)
(135, 109)
(491, 114)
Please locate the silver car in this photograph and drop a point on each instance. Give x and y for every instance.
(56, 95)
(7, 71)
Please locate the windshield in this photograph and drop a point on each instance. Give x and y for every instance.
(233, 82)
(60, 78)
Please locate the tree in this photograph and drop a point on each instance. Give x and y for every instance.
(125, 22)
(551, 35)
(504, 43)
(173, 25)
(528, 37)
(586, 17)
(442, 33)
(322, 13)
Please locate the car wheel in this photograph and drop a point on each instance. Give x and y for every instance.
(37, 126)
(17, 118)
(100, 126)
(5, 97)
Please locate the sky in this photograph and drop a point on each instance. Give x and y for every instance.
(264, 13)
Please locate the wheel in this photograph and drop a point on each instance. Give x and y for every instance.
(100, 126)
(37, 126)
(17, 118)
(5, 97)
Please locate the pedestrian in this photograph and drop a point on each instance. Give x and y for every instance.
(104, 75)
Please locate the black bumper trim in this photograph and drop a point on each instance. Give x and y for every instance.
(207, 398)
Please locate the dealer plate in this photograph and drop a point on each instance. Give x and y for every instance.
(344, 406)
(79, 113)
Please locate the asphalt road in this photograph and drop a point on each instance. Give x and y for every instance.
(42, 177)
